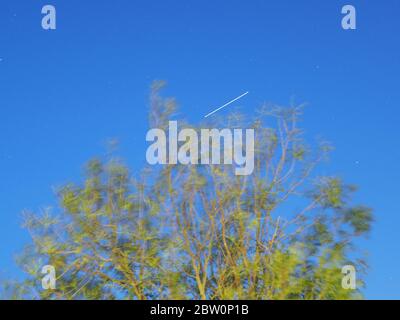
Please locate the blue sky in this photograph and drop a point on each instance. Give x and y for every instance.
(63, 93)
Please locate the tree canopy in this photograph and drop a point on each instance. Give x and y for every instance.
(200, 231)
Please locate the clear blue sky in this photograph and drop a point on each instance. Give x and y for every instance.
(63, 93)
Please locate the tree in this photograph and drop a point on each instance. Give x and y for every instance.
(200, 231)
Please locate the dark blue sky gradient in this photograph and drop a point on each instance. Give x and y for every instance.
(63, 93)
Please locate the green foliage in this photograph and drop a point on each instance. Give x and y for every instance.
(184, 232)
